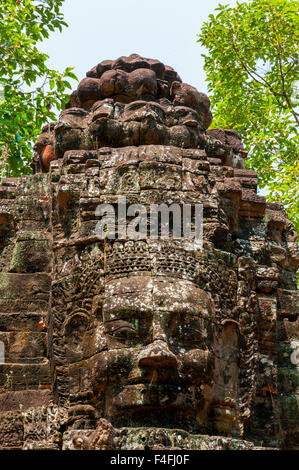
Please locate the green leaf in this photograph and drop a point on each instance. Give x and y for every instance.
(251, 67)
(22, 26)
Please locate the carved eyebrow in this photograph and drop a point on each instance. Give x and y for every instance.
(120, 326)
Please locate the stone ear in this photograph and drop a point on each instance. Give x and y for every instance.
(230, 334)
(229, 323)
(74, 331)
(78, 320)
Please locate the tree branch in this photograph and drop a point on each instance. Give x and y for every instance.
(251, 73)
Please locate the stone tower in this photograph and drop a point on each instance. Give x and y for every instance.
(148, 343)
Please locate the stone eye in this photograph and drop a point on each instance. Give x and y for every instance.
(125, 333)
(122, 331)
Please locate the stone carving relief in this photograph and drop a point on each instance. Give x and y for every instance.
(119, 343)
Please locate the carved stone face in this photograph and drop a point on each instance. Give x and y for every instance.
(150, 335)
(157, 332)
(145, 346)
(140, 340)
(146, 332)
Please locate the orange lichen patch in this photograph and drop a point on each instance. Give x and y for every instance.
(45, 387)
(270, 389)
(47, 156)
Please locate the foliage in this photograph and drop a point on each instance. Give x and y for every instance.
(29, 88)
(252, 68)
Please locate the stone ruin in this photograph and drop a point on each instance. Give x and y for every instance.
(143, 344)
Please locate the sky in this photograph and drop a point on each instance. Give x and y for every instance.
(158, 29)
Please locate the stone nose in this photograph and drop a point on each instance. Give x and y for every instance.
(157, 355)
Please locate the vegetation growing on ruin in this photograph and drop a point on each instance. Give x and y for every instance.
(30, 90)
(251, 67)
